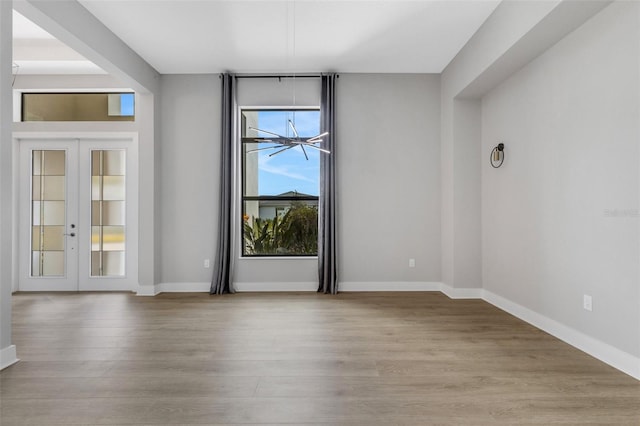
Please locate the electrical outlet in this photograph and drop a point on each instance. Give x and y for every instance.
(412, 263)
(207, 263)
(587, 302)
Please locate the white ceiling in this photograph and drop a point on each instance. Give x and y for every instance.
(208, 36)
(35, 51)
(25, 29)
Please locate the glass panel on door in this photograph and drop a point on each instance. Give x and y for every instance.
(48, 213)
(108, 213)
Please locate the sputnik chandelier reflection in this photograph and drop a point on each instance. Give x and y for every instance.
(285, 143)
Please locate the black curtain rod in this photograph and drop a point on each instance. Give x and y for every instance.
(278, 76)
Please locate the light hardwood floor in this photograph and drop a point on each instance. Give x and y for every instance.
(352, 359)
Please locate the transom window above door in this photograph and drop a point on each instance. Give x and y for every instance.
(280, 183)
(78, 106)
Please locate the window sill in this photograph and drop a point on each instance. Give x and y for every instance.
(278, 258)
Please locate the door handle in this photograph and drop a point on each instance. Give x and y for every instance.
(72, 234)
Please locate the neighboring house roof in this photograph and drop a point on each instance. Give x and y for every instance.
(286, 203)
(294, 194)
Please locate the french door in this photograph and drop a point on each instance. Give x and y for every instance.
(78, 215)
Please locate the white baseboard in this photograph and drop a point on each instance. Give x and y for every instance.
(461, 293)
(276, 286)
(290, 286)
(389, 286)
(154, 290)
(197, 287)
(147, 290)
(606, 353)
(8, 356)
(204, 287)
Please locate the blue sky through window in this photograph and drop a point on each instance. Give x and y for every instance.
(126, 104)
(289, 170)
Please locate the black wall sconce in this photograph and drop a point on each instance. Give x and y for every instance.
(497, 156)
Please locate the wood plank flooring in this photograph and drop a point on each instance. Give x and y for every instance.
(301, 359)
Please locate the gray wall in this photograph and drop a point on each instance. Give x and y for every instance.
(190, 156)
(560, 218)
(388, 173)
(388, 178)
(189, 176)
(6, 182)
(460, 137)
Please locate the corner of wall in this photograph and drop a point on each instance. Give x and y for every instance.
(461, 293)
(147, 290)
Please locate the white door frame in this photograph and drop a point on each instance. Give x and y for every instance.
(87, 142)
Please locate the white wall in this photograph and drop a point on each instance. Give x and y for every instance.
(560, 218)
(274, 92)
(388, 174)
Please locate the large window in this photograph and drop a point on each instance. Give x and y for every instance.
(280, 185)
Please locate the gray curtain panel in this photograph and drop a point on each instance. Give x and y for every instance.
(327, 267)
(222, 281)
